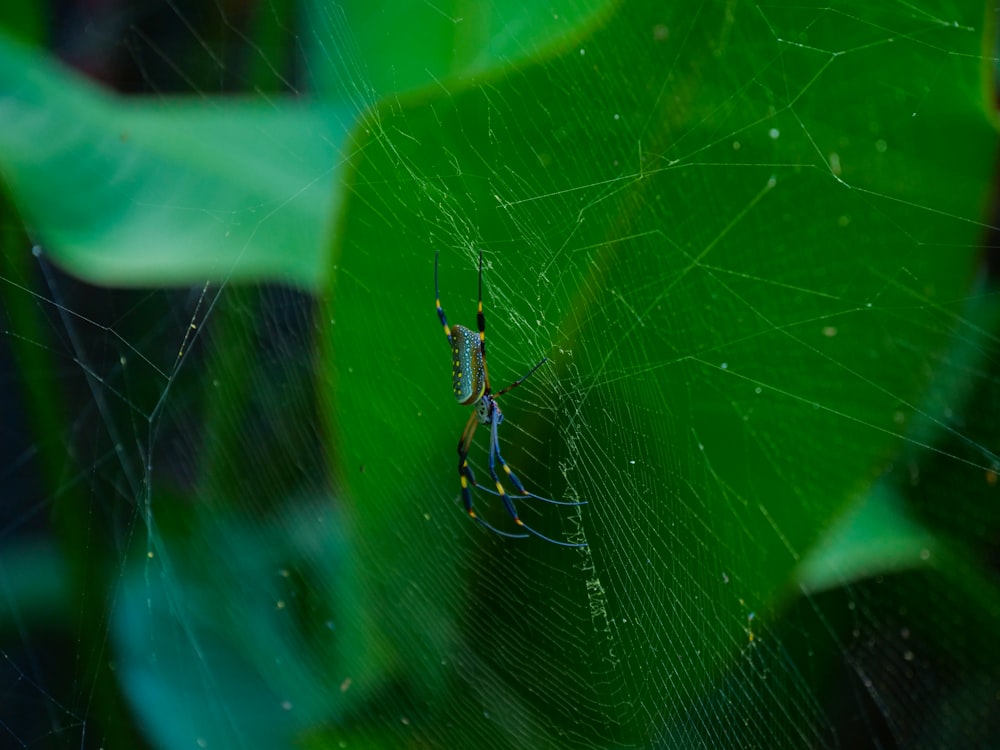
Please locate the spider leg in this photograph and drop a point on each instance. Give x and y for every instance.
(464, 470)
(507, 534)
(495, 443)
(507, 500)
(540, 535)
(437, 299)
(467, 478)
(533, 496)
(521, 379)
(506, 468)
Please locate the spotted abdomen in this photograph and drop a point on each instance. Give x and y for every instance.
(468, 377)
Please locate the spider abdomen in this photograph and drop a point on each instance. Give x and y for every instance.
(468, 376)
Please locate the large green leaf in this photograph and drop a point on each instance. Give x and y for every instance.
(730, 235)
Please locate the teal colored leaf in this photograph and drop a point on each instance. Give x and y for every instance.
(208, 657)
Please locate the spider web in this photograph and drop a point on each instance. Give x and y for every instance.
(768, 309)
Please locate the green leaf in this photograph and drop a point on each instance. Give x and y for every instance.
(33, 578)
(192, 659)
(356, 47)
(875, 538)
(740, 255)
(139, 192)
(25, 21)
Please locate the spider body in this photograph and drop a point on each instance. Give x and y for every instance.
(470, 380)
(468, 371)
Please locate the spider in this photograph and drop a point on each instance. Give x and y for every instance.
(470, 380)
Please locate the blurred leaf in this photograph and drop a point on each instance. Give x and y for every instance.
(34, 582)
(203, 668)
(24, 21)
(140, 192)
(876, 537)
(356, 45)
